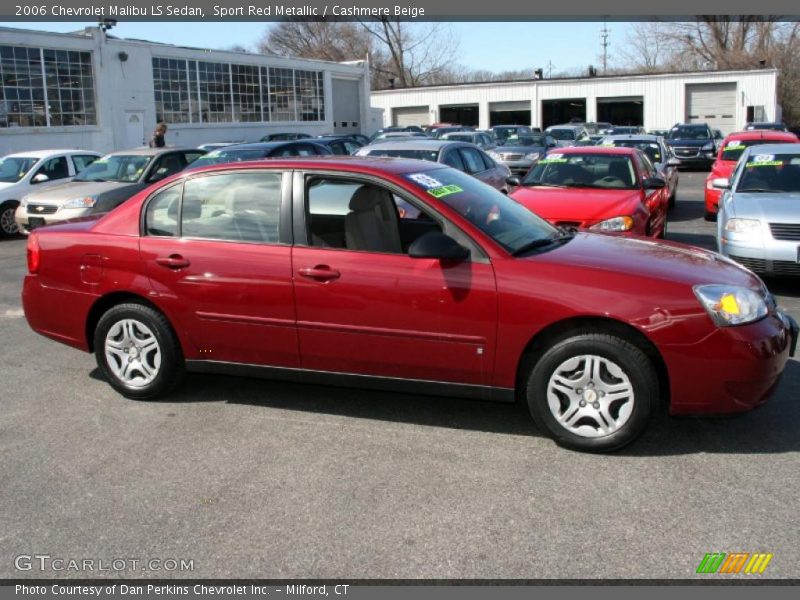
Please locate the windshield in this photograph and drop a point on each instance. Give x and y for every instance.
(689, 132)
(429, 155)
(14, 168)
(583, 171)
(733, 150)
(508, 223)
(116, 167)
(771, 126)
(770, 173)
(228, 156)
(651, 149)
(459, 137)
(525, 140)
(562, 134)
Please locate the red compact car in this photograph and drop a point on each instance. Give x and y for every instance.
(303, 269)
(603, 188)
(730, 150)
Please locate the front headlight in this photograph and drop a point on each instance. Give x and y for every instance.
(616, 224)
(532, 156)
(708, 147)
(731, 305)
(749, 227)
(494, 155)
(83, 202)
(24, 202)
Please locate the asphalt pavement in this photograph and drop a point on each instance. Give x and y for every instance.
(250, 478)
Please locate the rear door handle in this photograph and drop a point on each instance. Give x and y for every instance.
(320, 273)
(173, 261)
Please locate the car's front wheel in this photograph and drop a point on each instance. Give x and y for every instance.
(8, 224)
(138, 352)
(592, 392)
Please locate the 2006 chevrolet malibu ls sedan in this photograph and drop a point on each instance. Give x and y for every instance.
(303, 269)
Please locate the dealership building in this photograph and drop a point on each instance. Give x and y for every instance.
(724, 99)
(93, 91)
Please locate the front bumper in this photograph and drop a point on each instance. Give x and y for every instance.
(735, 369)
(518, 167)
(28, 221)
(771, 257)
(695, 159)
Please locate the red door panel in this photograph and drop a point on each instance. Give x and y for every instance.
(394, 316)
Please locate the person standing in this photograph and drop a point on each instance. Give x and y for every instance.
(158, 141)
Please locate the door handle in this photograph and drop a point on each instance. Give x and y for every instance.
(173, 261)
(320, 273)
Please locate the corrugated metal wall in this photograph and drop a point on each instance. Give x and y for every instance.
(664, 95)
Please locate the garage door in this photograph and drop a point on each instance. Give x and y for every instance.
(346, 106)
(410, 115)
(712, 103)
(510, 113)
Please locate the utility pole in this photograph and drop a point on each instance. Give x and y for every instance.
(550, 66)
(604, 33)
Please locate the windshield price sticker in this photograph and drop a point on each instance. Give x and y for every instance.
(425, 181)
(444, 190)
(735, 144)
(764, 160)
(553, 158)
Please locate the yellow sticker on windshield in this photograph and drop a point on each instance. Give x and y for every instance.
(764, 160)
(445, 190)
(547, 161)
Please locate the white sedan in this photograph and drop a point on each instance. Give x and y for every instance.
(25, 172)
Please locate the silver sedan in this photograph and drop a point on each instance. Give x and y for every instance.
(759, 216)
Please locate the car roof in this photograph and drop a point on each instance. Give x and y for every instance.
(46, 153)
(635, 137)
(271, 145)
(417, 144)
(774, 149)
(566, 126)
(353, 164)
(760, 134)
(151, 151)
(618, 150)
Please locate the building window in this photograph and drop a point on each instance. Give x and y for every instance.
(188, 91)
(246, 93)
(281, 94)
(41, 87)
(171, 86)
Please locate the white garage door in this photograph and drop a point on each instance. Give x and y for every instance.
(712, 103)
(512, 106)
(410, 115)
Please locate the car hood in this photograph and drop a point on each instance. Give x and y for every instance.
(56, 194)
(643, 259)
(777, 207)
(689, 143)
(577, 204)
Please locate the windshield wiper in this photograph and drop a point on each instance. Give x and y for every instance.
(563, 235)
(534, 183)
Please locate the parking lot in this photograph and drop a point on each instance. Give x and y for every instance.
(250, 478)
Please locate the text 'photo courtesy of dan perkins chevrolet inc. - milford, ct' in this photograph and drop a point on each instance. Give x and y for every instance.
(251, 10)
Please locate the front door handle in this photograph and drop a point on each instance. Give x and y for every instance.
(173, 261)
(320, 273)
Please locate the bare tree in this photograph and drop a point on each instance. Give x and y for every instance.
(647, 48)
(324, 40)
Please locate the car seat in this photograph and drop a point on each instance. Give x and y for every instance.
(372, 224)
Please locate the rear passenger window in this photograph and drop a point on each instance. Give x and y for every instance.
(237, 207)
(453, 159)
(472, 160)
(161, 218)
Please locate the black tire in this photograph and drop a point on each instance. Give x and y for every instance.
(671, 201)
(8, 226)
(709, 216)
(636, 366)
(171, 370)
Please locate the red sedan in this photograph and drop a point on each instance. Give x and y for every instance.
(613, 189)
(302, 269)
(729, 152)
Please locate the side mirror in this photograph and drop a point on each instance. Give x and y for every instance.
(514, 181)
(654, 183)
(721, 183)
(437, 245)
(40, 178)
(673, 162)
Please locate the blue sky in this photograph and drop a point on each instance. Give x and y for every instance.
(492, 46)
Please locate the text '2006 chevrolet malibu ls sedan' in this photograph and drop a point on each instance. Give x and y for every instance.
(303, 269)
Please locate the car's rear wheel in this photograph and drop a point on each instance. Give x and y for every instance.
(710, 216)
(138, 352)
(8, 225)
(593, 392)
(671, 199)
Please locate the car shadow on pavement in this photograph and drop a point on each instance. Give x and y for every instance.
(704, 240)
(771, 428)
